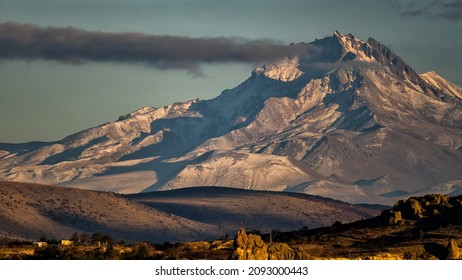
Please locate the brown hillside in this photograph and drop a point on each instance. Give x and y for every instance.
(28, 211)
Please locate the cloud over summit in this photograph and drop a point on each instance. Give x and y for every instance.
(73, 45)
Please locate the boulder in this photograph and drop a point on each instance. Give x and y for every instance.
(413, 210)
(453, 250)
(392, 217)
(281, 251)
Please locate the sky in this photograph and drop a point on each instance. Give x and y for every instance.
(118, 56)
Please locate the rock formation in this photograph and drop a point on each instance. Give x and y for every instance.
(453, 250)
(436, 208)
(392, 217)
(252, 247)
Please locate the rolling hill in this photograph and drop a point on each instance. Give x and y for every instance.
(28, 211)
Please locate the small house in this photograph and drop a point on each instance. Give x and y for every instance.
(40, 244)
(65, 242)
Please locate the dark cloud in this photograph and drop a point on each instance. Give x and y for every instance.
(450, 10)
(72, 45)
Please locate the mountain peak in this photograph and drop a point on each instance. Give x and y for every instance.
(343, 47)
(331, 49)
(336, 48)
(346, 47)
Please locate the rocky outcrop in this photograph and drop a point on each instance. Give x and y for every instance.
(281, 251)
(252, 247)
(436, 208)
(453, 250)
(249, 247)
(392, 217)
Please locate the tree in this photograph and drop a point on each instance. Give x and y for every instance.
(75, 238)
(96, 237)
(84, 239)
(107, 239)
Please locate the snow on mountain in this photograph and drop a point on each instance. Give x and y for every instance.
(351, 121)
(442, 84)
(285, 70)
(236, 169)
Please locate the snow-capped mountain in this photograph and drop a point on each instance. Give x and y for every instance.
(348, 120)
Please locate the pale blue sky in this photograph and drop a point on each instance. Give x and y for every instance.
(43, 100)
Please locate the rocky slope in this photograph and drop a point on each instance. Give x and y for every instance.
(429, 209)
(351, 121)
(426, 227)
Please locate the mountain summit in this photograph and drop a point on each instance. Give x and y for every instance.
(347, 119)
